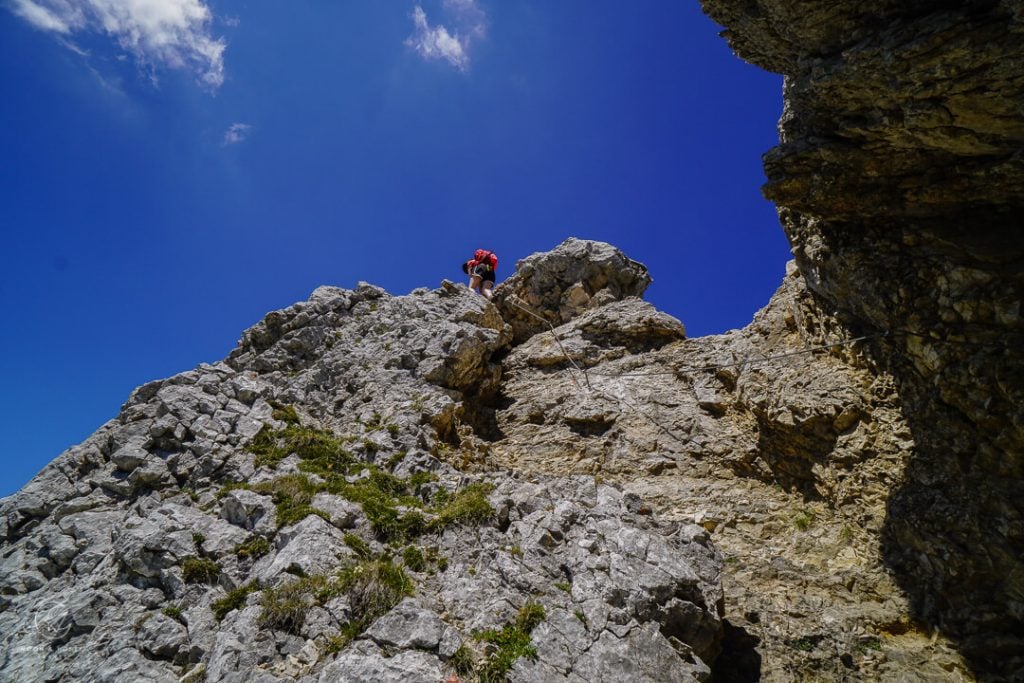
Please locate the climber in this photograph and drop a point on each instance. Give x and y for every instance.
(481, 269)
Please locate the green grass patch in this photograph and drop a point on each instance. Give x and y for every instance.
(869, 644)
(395, 507)
(284, 413)
(172, 611)
(255, 548)
(321, 450)
(802, 644)
(200, 570)
(413, 559)
(292, 496)
(803, 519)
(468, 507)
(361, 547)
(233, 600)
(512, 641)
(462, 661)
(372, 586)
(563, 586)
(284, 608)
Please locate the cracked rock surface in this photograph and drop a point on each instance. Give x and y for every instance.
(314, 509)
(407, 488)
(900, 184)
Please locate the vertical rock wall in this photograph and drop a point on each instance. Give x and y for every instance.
(900, 183)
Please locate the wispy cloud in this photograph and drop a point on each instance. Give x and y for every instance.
(172, 33)
(236, 132)
(438, 43)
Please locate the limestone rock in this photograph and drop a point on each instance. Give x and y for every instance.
(369, 482)
(560, 284)
(900, 185)
(408, 626)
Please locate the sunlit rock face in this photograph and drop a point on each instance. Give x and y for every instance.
(322, 506)
(900, 183)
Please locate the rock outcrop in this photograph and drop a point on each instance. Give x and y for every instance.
(374, 487)
(900, 184)
(322, 506)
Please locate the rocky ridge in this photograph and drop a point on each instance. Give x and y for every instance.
(374, 487)
(314, 508)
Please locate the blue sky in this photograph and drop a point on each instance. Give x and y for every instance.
(174, 169)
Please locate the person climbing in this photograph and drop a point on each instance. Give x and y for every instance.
(481, 269)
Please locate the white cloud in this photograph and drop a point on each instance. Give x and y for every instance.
(236, 132)
(173, 33)
(40, 17)
(437, 42)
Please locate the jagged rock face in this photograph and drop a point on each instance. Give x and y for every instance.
(900, 185)
(787, 456)
(295, 513)
(558, 285)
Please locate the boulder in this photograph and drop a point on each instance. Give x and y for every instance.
(556, 286)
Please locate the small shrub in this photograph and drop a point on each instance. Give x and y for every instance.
(516, 550)
(513, 642)
(869, 644)
(564, 586)
(413, 558)
(803, 520)
(233, 600)
(284, 413)
(292, 495)
(361, 547)
(172, 611)
(373, 588)
(284, 608)
(255, 548)
(469, 506)
(200, 570)
(462, 660)
(802, 644)
(198, 539)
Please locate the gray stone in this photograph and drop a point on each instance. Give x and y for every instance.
(408, 626)
(249, 510)
(405, 667)
(560, 284)
(312, 546)
(162, 636)
(343, 513)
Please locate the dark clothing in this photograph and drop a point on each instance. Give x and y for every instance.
(485, 271)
